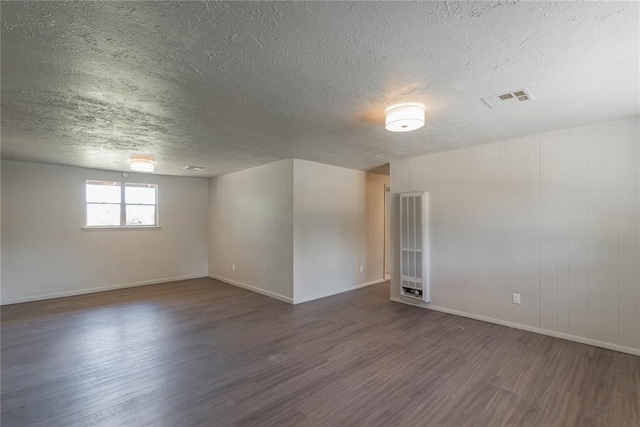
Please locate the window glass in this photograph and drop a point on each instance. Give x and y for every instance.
(103, 192)
(103, 214)
(141, 215)
(106, 206)
(140, 194)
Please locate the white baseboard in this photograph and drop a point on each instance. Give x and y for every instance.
(339, 291)
(252, 288)
(99, 289)
(555, 334)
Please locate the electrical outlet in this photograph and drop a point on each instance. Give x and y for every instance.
(361, 269)
(516, 298)
(233, 267)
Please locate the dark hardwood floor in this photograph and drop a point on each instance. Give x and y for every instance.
(200, 352)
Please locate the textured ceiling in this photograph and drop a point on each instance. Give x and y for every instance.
(231, 85)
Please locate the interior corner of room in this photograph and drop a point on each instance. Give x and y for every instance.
(297, 230)
(321, 236)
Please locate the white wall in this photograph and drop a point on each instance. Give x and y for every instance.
(45, 253)
(332, 233)
(551, 216)
(251, 226)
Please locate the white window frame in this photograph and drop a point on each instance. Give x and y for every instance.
(123, 207)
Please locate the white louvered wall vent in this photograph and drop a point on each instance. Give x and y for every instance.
(414, 246)
(514, 97)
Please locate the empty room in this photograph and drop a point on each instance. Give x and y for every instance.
(320, 213)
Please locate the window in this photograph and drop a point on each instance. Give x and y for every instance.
(116, 204)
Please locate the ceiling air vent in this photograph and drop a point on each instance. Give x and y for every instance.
(193, 168)
(498, 101)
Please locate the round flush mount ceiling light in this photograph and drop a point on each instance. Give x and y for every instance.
(143, 163)
(404, 117)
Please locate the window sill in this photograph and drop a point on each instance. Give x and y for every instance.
(122, 228)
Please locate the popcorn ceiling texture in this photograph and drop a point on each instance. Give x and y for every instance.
(231, 85)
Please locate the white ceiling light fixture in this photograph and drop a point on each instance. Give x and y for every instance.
(404, 117)
(143, 163)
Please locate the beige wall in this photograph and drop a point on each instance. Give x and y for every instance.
(45, 253)
(387, 232)
(375, 225)
(336, 229)
(551, 216)
(251, 226)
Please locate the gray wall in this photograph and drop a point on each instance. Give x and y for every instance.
(339, 226)
(45, 253)
(551, 216)
(296, 230)
(251, 226)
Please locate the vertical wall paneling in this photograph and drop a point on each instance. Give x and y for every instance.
(534, 231)
(549, 231)
(399, 183)
(474, 277)
(505, 294)
(491, 228)
(464, 269)
(603, 176)
(578, 238)
(519, 228)
(446, 226)
(553, 217)
(424, 179)
(423, 173)
(454, 192)
(562, 227)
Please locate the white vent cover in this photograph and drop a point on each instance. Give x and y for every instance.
(497, 101)
(414, 246)
(193, 168)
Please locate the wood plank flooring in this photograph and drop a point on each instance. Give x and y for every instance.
(203, 353)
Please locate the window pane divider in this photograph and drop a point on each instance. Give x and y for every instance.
(123, 210)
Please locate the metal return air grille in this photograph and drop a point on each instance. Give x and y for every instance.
(497, 101)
